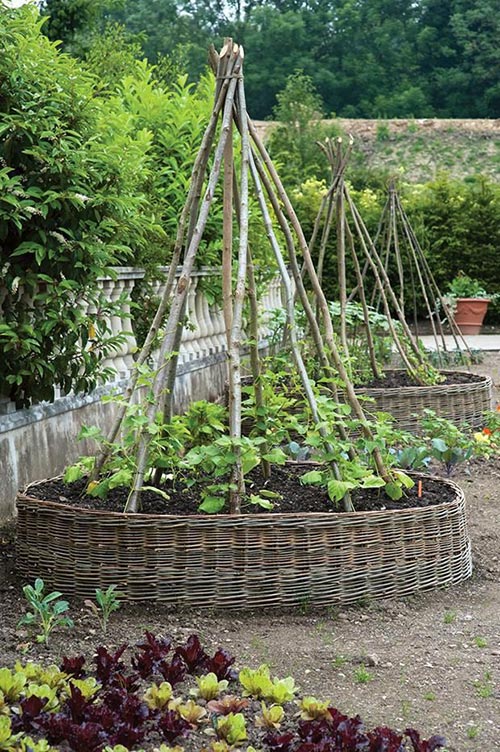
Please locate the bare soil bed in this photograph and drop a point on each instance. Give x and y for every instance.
(431, 661)
(291, 496)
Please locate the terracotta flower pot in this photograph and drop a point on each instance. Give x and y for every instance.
(469, 314)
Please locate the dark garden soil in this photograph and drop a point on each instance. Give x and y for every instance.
(395, 379)
(431, 661)
(293, 496)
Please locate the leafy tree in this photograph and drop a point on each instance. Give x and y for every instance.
(72, 171)
(460, 227)
(73, 22)
(390, 58)
(460, 58)
(293, 143)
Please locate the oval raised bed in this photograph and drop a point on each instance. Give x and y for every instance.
(459, 403)
(245, 561)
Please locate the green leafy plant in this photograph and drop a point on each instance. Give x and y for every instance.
(271, 717)
(209, 686)
(472, 732)
(158, 696)
(107, 601)
(449, 617)
(202, 424)
(12, 683)
(362, 675)
(485, 687)
(480, 642)
(191, 712)
(259, 684)
(357, 472)
(218, 459)
(448, 443)
(7, 738)
(72, 171)
(48, 611)
(414, 458)
(312, 709)
(463, 286)
(231, 728)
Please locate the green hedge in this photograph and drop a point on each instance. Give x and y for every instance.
(456, 222)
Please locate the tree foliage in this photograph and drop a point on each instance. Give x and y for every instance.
(389, 58)
(72, 173)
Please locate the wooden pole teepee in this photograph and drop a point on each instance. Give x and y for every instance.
(242, 167)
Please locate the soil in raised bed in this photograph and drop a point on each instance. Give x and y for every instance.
(396, 379)
(295, 497)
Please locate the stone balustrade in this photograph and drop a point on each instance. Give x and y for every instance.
(204, 334)
(41, 440)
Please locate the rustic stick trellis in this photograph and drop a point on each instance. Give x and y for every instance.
(263, 560)
(338, 210)
(221, 153)
(398, 237)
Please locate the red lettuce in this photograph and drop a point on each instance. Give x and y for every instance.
(192, 653)
(171, 725)
(423, 745)
(220, 664)
(108, 663)
(173, 672)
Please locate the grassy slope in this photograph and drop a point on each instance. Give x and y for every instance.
(424, 147)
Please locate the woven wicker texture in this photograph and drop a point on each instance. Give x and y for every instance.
(458, 402)
(246, 561)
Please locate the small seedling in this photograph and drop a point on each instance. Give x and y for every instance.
(406, 709)
(362, 675)
(484, 687)
(339, 661)
(47, 610)
(107, 602)
(472, 732)
(480, 642)
(449, 617)
(305, 606)
(430, 696)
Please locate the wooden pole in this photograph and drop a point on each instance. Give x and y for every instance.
(238, 484)
(290, 309)
(323, 304)
(197, 177)
(174, 319)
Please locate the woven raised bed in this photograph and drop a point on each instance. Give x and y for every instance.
(458, 402)
(246, 561)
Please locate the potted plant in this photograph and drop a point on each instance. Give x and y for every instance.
(469, 302)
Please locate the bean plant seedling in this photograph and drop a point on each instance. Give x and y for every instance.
(48, 612)
(107, 602)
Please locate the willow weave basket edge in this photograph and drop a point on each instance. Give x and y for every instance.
(460, 403)
(245, 562)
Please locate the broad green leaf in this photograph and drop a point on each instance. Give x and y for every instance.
(393, 491)
(259, 501)
(337, 489)
(313, 477)
(373, 482)
(212, 504)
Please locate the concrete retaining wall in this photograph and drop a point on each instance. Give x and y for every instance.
(38, 442)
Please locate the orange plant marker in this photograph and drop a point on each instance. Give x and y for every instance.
(419, 489)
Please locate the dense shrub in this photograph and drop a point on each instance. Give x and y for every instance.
(456, 222)
(459, 225)
(72, 171)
